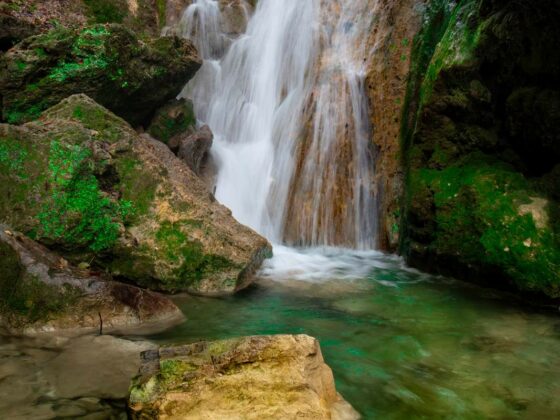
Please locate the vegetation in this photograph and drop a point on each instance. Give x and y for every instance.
(79, 213)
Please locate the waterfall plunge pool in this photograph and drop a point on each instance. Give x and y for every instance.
(402, 344)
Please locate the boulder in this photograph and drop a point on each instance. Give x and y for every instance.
(194, 148)
(82, 181)
(109, 63)
(42, 292)
(273, 377)
(174, 118)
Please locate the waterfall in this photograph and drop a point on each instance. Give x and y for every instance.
(286, 103)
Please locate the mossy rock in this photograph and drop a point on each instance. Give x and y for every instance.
(82, 181)
(278, 377)
(480, 148)
(42, 292)
(109, 63)
(175, 117)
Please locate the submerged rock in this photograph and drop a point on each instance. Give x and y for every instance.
(83, 181)
(109, 63)
(281, 377)
(42, 292)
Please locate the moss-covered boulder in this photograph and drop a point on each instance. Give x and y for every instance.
(481, 143)
(262, 377)
(42, 292)
(109, 63)
(82, 181)
(174, 118)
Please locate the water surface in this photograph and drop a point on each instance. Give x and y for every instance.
(402, 344)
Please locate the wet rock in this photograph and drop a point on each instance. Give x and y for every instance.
(42, 292)
(174, 118)
(109, 63)
(194, 148)
(280, 376)
(83, 181)
(234, 15)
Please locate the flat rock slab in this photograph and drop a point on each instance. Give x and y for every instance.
(260, 377)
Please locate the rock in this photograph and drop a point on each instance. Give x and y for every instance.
(143, 16)
(280, 377)
(234, 15)
(481, 145)
(194, 148)
(174, 118)
(83, 181)
(109, 63)
(116, 362)
(41, 292)
(13, 30)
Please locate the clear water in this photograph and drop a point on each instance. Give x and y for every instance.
(401, 344)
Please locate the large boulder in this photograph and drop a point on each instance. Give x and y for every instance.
(273, 377)
(109, 63)
(82, 181)
(42, 292)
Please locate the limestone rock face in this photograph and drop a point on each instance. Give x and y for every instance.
(82, 181)
(107, 62)
(266, 377)
(42, 292)
(391, 44)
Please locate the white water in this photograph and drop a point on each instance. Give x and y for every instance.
(293, 81)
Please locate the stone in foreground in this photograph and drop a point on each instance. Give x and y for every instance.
(261, 377)
(41, 292)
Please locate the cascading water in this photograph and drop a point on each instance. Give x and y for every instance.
(287, 107)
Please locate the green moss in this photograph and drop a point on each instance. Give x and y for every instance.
(171, 120)
(12, 157)
(79, 213)
(136, 185)
(192, 263)
(88, 55)
(477, 207)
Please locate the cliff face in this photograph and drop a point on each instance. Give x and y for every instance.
(481, 144)
(390, 44)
